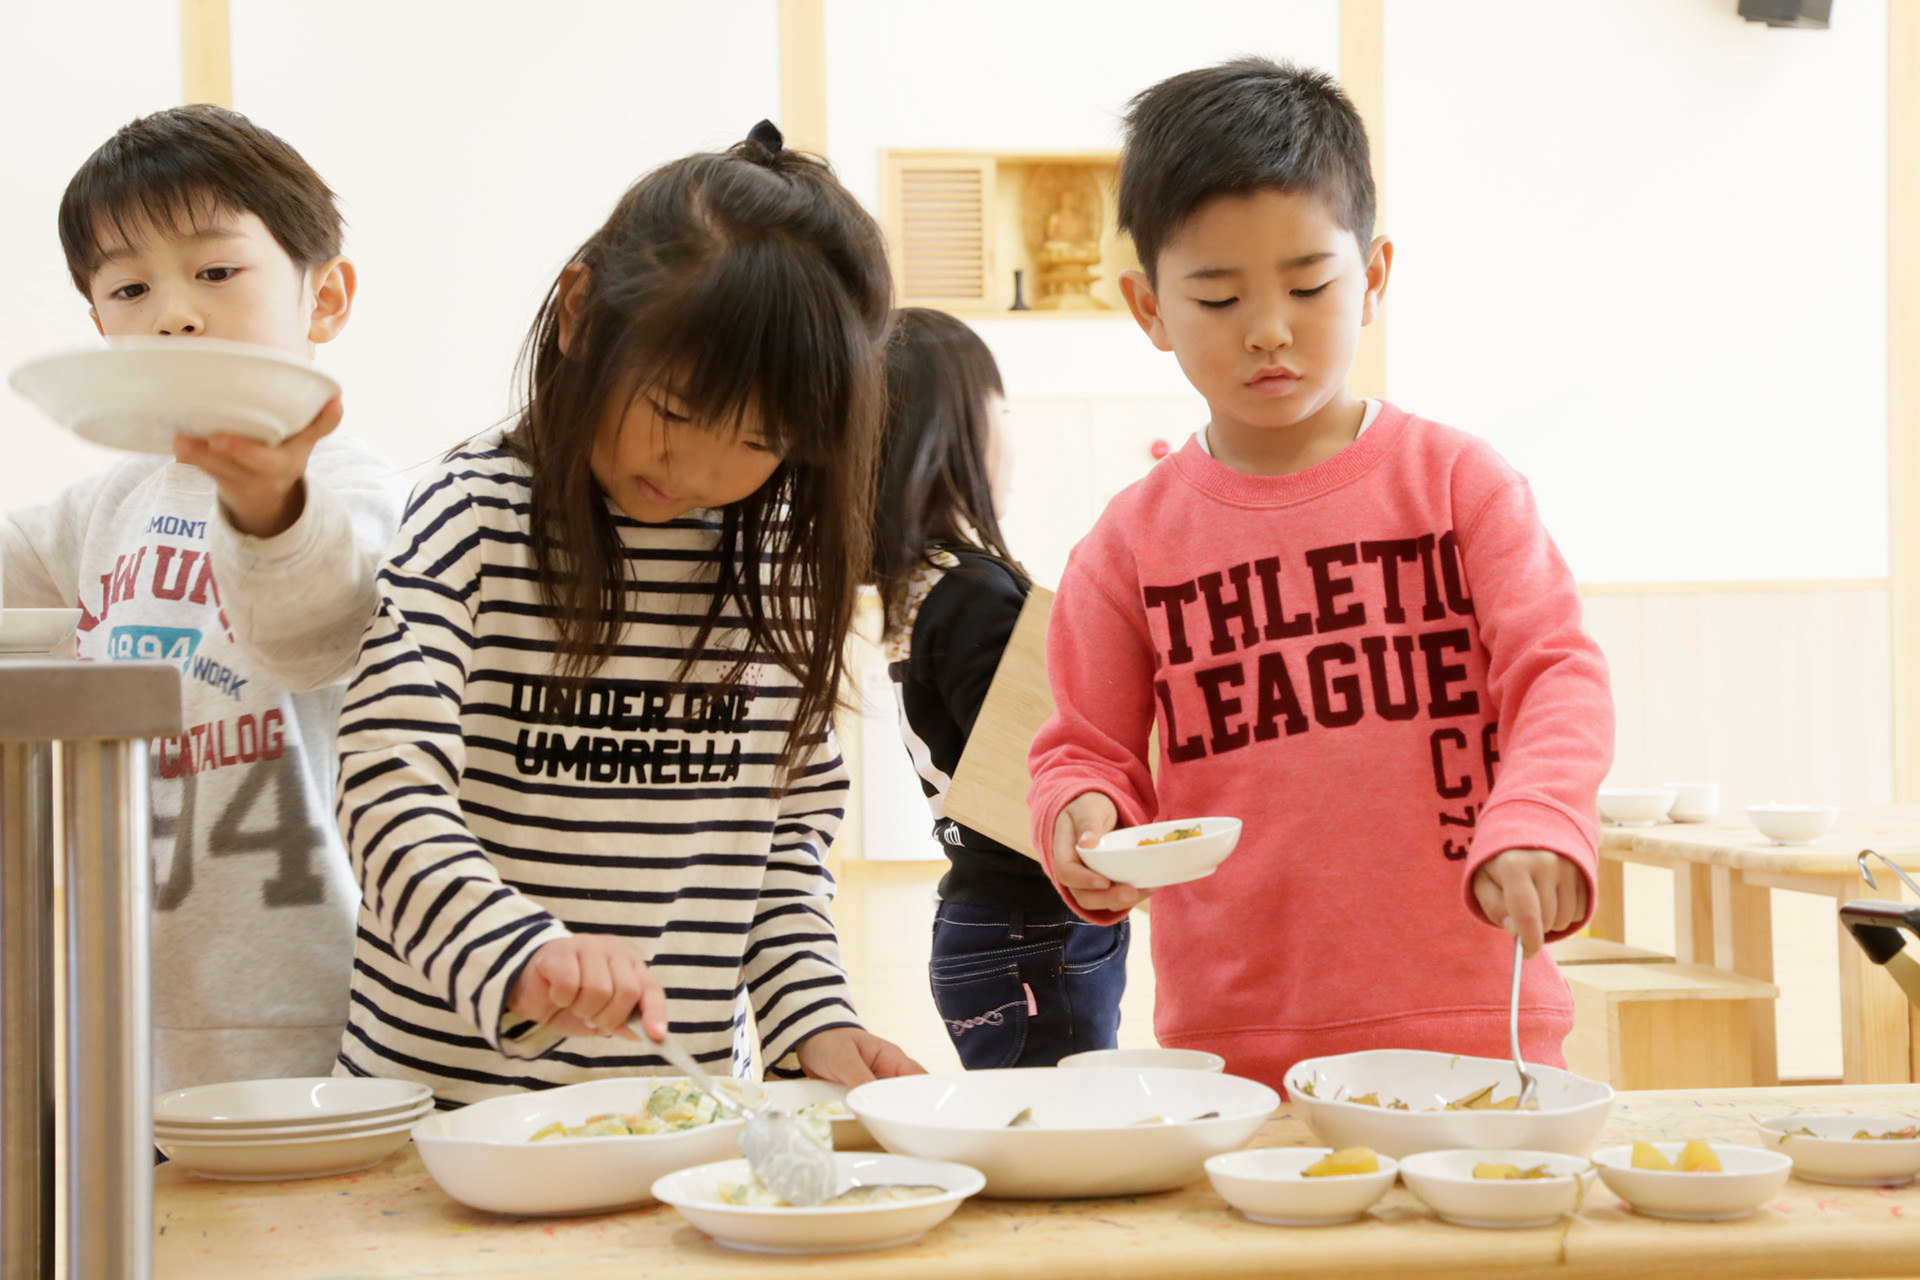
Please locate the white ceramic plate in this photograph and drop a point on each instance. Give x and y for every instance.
(245, 1104)
(1121, 858)
(1572, 1108)
(1635, 806)
(1444, 1181)
(1834, 1155)
(1751, 1177)
(252, 1133)
(481, 1157)
(35, 631)
(279, 1159)
(842, 1229)
(1178, 1059)
(1084, 1141)
(137, 393)
(1266, 1185)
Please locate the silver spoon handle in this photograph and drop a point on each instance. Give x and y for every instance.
(683, 1062)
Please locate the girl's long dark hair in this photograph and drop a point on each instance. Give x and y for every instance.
(935, 490)
(749, 282)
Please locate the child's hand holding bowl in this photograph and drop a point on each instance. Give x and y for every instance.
(1086, 818)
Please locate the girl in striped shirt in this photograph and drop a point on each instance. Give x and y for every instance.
(586, 762)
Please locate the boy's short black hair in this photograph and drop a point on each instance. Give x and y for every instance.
(165, 168)
(1243, 126)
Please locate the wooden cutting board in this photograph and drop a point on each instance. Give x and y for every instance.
(989, 788)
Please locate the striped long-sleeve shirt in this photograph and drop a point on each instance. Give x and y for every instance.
(487, 813)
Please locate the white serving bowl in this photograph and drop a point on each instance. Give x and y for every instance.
(481, 1157)
(35, 631)
(1121, 858)
(1572, 1108)
(247, 1104)
(1751, 1177)
(1084, 1142)
(1793, 824)
(1444, 1181)
(1267, 1186)
(1834, 1156)
(1694, 801)
(327, 1129)
(1177, 1059)
(1635, 806)
(138, 393)
(281, 1158)
(841, 1229)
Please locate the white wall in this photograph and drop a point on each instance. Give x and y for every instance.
(70, 75)
(1642, 249)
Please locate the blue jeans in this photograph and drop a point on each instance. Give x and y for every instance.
(1025, 989)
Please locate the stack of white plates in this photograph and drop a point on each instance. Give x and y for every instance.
(268, 1130)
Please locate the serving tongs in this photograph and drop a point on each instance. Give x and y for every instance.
(1876, 926)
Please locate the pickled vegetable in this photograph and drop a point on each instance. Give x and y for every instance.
(1647, 1156)
(1510, 1172)
(1698, 1157)
(1343, 1163)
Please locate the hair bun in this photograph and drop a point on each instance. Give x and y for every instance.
(768, 135)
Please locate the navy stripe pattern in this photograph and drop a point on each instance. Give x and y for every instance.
(489, 811)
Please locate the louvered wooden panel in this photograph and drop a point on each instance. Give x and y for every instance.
(941, 237)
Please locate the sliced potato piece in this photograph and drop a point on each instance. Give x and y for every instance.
(1647, 1156)
(1343, 1163)
(1698, 1157)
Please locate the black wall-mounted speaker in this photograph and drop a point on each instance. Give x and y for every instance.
(1788, 13)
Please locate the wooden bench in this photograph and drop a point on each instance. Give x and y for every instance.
(1585, 949)
(1664, 1026)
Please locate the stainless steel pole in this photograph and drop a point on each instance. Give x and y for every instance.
(27, 971)
(110, 1072)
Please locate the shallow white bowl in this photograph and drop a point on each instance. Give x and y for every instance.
(1266, 1185)
(1572, 1108)
(325, 1129)
(35, 631)
(137, 393)
(843, 1229)
(1635, 806)
(279, 1159)
(244, 1104)
(1834, 1156)
(1694, 801)
(1751, 1177)
(1121, 858)
(1444, 1181)
(1793, 824)
(1084, 1142)
(1178, 1059)
(481, 1157)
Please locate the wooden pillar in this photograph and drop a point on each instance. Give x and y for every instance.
(206, 52)
(1903, 387)
(1363, 75)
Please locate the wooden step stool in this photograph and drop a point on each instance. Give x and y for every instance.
(1664, 1026)
(1582, 949)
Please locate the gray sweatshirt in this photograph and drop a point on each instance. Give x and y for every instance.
(253, 900)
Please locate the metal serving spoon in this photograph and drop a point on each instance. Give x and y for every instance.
(781, 1152)
(1528, 1086)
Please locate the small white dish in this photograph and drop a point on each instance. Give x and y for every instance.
(1268, 1186)
(1444, 1181)
(35, 632)
(137, 393)
(1834, 1155)
(1572, 1108)
(1635, 806)
(1121, 858)
(1795, 825)
(254, 1133)
(837, 1229)
(1086, 1138)
(1694, 801)
(244, 1104)
(480, 1155)
(1178, 1059)
(1749, 1179)
(283, 1159)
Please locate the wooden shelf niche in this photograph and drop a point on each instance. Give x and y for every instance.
(960, 223)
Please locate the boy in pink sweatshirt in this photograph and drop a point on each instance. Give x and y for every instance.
(1346, 623)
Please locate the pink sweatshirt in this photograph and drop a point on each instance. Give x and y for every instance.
(1377, 665)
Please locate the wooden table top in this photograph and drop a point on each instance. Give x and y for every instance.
(1731, 841)
(394, 1221)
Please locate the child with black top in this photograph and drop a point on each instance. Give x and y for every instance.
(1018, 978)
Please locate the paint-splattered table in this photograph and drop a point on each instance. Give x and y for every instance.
(394, 1221)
